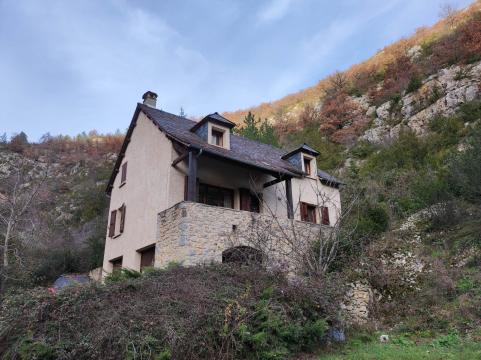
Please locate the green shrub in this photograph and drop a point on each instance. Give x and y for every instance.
(464, 168)
(363, 149)
(30, 349)
(271, 335)
(447, 129)
(465, 285)
(449, 340)
(407, 151)
(470, 111)
(164, 355)
(414, 84)
(122, 275)
(374, 220)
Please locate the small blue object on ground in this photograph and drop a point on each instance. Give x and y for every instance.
(336, 335)
(69, 280)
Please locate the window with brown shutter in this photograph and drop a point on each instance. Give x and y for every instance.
(123, 177)
(245, 199)
(249, 201)
(308, 212)
(113, 215)
(325, 215)
(122, 218)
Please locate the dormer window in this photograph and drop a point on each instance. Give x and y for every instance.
(307, 166)
(217, 137)
(215, 130)
(304, 158)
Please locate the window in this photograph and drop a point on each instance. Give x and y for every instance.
(249, 201)
(123, 174)
(117, 228)
(113, 215)
(325, 215)
(217, 137)
(122, 218)
(217, 196)
(307, 166)
(308, 213)
(116, 264)
(147, 257)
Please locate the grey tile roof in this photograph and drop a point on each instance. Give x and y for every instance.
(215, 118)
(242, 150)
(328, 179)
(304, 147)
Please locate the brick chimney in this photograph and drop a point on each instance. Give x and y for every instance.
(150, 99)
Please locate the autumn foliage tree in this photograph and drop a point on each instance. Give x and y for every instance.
(342, 119)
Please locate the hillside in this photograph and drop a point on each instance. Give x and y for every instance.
(402, 130)
(390, 73)
(61, 184)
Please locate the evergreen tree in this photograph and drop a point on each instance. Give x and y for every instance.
(3, 139)
(182, 112)
(254, 129)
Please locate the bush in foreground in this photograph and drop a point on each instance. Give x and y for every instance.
(215, 312)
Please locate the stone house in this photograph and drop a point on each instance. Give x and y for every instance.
(183, 190)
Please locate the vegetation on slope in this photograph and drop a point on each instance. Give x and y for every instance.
(63, 229)
(454, 39)
(215, 312)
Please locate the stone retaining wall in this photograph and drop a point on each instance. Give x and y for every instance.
(192, 233)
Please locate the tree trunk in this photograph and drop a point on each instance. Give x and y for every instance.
(5, 257)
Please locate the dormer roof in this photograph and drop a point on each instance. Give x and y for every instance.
(214, 118)
(303, 148)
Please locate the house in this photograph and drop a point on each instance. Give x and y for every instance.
(181, 189)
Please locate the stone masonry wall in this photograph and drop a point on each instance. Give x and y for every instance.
(192, 233)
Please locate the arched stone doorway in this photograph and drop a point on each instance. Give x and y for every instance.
(242, 255)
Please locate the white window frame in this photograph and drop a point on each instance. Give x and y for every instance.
(312, 163)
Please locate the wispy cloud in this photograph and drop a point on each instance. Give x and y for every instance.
(70, 66)
(275, 10)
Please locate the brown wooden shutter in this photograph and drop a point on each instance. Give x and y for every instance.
(113, 215)
(304, 216)
(124, 173)
(325, 215)
(122, 218)
(245, 199)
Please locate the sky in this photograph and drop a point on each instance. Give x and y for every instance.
(73, 66)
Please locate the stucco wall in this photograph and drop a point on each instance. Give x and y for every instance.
(145, 193)
(192, 233)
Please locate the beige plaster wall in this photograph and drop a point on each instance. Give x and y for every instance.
(145, 193)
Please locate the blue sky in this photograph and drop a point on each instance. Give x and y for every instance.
(72, 66)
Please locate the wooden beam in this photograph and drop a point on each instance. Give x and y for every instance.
(290, 208)
(192, 177)
(180, 158)
(273, 182)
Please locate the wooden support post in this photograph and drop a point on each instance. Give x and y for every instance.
(192, 177)
(290, 208)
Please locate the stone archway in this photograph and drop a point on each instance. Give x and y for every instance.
(242, 255)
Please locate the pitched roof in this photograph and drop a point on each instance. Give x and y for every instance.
(328, 179)
(242, 150)
(215, 118)
(304, 148)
